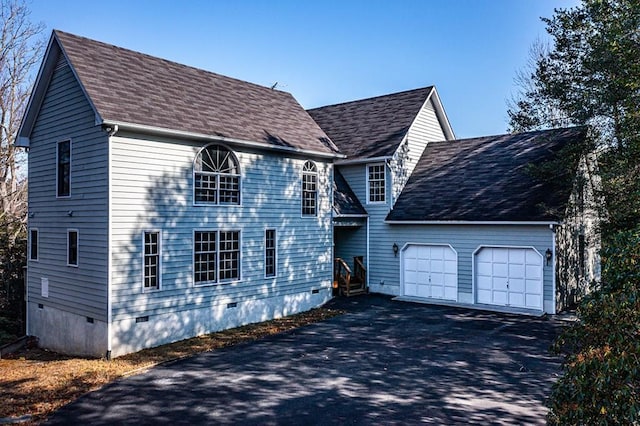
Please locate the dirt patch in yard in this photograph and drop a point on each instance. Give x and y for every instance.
(36, 382)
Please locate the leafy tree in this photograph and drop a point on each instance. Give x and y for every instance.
(591, 76)
(20, 48)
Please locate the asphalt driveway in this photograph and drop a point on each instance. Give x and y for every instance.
(384, 362)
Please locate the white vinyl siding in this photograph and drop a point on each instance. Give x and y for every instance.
(66, 114)
(152, 188)
(425, 128)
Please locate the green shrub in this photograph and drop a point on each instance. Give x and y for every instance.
(601, 381)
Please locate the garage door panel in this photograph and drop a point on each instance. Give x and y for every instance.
(516, 271)
(500, 270)
(499, 255)
(500, 297)
(484, 296)
(517, 285)
(451, 280)
(533, 300)
(410, 289)
(533, 272)
(484, 283)
(451, 293)
(509, 277)
(410, 277)
(516, 256)
(533, 258)
(431, 269)
(516, 299)
(484, 268)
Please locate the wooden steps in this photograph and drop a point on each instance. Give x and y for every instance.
(350, 283)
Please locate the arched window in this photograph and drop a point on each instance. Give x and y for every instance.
(309, 189)
(216, 176)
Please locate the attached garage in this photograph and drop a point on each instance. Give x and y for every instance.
(429, 271)
(509, 276)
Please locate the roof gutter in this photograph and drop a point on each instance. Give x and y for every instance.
(468, 222)
(159, 131)
(353, 216)
(363, 160)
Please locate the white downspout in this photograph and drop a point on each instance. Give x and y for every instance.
(368, 269)
(553, 266)
(110, 132)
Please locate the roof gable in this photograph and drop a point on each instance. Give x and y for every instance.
(345, 201)
(486, 179)
(375, 127)
(131, 88)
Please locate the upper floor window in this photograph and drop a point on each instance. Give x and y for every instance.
(376, 183)
(63, 172)
(216, 176)
(309, 189)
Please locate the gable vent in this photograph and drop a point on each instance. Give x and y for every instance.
(62, 62)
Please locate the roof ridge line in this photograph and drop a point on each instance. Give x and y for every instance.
(173, 62)
(373, 97)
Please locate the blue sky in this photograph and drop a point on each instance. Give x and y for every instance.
(331, 51)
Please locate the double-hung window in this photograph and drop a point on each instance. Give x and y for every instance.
(151, 258)
(63, 172)
(309, 189)
(216, 176)
(216, 256)
(376, 183)
(270, 260)
(72, 247)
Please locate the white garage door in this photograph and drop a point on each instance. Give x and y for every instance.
(509, 277)
(430, 271)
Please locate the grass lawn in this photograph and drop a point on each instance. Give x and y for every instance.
(35, 382)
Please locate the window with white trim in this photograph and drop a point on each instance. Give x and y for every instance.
(216, 176)
(376, 183)
(270, 253)
(72, 247)
(33, 244)
(151, 259)
(309, 189)
(216, 256)
(63, 169)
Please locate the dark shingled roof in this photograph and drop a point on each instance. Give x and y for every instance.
(371, 127)
(345, 201)
(486, 179)
(130, 87)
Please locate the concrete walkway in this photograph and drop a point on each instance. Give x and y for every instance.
(384, 362)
